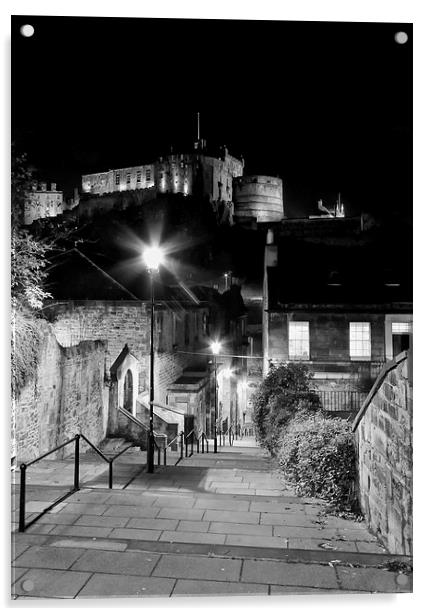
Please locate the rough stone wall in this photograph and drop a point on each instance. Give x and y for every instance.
(384, 437)
(128, 322)
(66, 395)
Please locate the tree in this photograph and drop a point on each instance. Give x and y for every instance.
(27, 254)
(285, 392)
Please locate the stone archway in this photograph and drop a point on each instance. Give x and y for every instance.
(124, 386)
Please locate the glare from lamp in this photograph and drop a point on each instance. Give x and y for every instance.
(215, 347)
(153, 257)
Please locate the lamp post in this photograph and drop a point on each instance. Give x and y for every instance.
(215, 348)
(153, 257)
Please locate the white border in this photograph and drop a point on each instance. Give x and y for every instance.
(416, 11)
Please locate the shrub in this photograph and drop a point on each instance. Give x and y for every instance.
(26, 340)
(317, 457)
(285, 392)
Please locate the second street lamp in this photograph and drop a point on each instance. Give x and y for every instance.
(215, 348)
(153, 258)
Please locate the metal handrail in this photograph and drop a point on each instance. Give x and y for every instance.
(22, 526)
(23, 468)
(204, 436)
(181, 436)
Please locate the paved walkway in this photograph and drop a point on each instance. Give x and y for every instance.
(215, 524)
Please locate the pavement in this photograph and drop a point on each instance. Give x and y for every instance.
(214, 524)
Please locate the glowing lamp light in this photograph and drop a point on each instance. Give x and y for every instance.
(153, 257)
(215, 347)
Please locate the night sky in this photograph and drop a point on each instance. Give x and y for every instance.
(325, 106)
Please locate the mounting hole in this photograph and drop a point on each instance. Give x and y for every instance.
(27, 30)
(27, 585)
(401, 38)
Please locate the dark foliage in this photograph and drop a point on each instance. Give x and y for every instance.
(285, 392)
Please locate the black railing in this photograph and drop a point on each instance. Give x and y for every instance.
(341, 401)
(230, 433)
(190, 439)
(175, 439)
(204, 439)
(22, 526)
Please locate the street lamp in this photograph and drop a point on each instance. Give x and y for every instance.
(215, 348)
(153, 258)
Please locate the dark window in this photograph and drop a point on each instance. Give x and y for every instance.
(117, 178)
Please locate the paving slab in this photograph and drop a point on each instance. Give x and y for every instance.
(314, 532)
(373, 580)
(132, 511)
(109, 585)
(192, 537)
(222, 504)
(135, 533)
(318, 576)
(240, 529)
(276, 507)
(90, 544)
(198, 568)
(202, 587)
(126, 498)
(256, 541)
(370, 547)
(274, 589)
(286, 519)
(124, 563)
(50, 583)
(82, 508)
(193, 526)
(48, 557)
(242, 517)
(181, 514)
(302, 543)
(150, 524)
(81, 531)
(101, 520)
(88, 497)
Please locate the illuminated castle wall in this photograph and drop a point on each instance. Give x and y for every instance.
(196, 173)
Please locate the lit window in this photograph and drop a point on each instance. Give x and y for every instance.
(360, 341)
(401, 328)
(117, 178)
(299, 340)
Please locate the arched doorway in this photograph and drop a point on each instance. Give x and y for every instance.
(128, 391)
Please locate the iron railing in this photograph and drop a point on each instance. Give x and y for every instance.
(181, 456)
(22, 526)
(190, 439)
(341, 401)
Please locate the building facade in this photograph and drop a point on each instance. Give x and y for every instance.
(336, 309)
(43, 202)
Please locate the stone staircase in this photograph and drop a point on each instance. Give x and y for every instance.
(214, 524)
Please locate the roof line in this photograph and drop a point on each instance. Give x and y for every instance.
(102, 271)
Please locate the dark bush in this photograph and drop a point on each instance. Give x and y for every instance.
(317, 456)
(285, 392)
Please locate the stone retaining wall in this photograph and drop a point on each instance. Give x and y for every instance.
(66, 395)
(384, 438)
